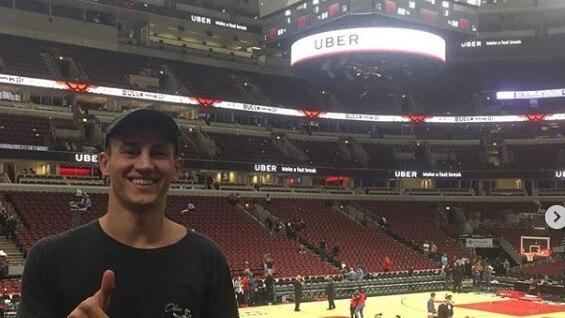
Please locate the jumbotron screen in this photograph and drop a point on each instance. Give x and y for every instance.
(305, 15)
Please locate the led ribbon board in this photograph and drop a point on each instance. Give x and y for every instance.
(184, 100)
(547, 93)
(368, 40)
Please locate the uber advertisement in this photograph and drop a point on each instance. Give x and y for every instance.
(78, 158)
(91, 159)
(284, 169)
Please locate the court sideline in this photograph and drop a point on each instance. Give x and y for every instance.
(407, 306)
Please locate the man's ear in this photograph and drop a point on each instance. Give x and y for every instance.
(179, 162)
(104, 162)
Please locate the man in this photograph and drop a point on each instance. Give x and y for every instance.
(443, 310)
(270, 288)
(387, 264)
(534, 288)
(458, 278)
(449, 305)
(426, 248)
(431, 305)
(189, 208)
(476, 270)
(253, 285)
(433, 251)
(106, 268)
(270, 267)
(443, 260)
(330, 292)
(383, 222)
(447, 271)
(268, 224)
(335, 252)
(506, 266)
(351, 275)
(360, 272)
(85, 202)
(487, 276)
(267, 263)
(12, 225)
(3, 219)
(411, 271)
(323, 246)
(297, 292)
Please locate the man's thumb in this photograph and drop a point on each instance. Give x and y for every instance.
(106, 288)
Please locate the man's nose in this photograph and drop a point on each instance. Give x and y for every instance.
(144, 161)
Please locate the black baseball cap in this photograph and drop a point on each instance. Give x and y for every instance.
(142, 119)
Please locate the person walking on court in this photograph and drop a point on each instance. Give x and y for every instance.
(297, 292)
(431, 306)
(353, 303)
(330, 292)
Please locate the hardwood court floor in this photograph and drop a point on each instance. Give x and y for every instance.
(412, 306)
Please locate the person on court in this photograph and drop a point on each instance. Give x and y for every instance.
(330, 292)
(298, 285)
(361, 298)
(431, 306)
(353, 303)
(443, 310)
(133, 261)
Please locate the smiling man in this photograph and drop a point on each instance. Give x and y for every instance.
(133, 261)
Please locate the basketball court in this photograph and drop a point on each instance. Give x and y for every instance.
(414, 306)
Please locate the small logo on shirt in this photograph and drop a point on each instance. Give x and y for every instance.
(177, 311)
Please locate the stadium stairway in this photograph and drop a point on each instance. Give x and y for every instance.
(259, 213)
(15, 256)
(13, 251)
(508, 249)
(352, 213)
(362, 218)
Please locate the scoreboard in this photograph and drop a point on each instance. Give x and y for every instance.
(302, 16)
(305, 15)
(445, 15)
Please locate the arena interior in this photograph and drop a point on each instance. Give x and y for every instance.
(400, 146)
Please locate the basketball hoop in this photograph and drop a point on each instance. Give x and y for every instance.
(535, 247)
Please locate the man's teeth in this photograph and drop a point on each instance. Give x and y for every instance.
(142, 181)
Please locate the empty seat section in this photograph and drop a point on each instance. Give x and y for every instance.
(359, 244)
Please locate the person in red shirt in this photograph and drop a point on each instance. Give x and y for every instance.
(353, 306)
(387, 264)
(245, 287)
(360, 303)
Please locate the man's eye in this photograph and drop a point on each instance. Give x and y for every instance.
(159, 153)
(129, 151)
